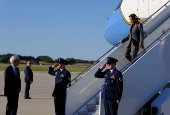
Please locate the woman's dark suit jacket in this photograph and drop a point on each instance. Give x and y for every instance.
(135, 36)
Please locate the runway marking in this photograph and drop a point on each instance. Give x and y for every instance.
(87, 86)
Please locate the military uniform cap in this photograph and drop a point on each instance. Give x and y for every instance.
(111, 60)
(62, 61)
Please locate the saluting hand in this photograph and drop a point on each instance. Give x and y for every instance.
(103, 66)
(55, 65)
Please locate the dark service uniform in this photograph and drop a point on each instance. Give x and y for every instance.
(112, 90)
(28, 78)
(62, 78)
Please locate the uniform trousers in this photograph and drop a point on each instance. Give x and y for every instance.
(110, 107)
(131, 51)
(12, 105)
(59, 104)
(27, 88)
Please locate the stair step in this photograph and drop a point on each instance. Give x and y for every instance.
(97, 99)
(87, 113)
(93, 108)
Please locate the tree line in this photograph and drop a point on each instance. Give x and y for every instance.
(4, 58)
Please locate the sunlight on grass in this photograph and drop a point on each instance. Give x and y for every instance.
(72, 68)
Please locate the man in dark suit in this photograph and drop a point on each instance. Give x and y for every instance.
(135, 38)
(113, 87)
(12, 85)
(28, 79)
(62, 78)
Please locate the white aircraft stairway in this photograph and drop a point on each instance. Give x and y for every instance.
(142, 80)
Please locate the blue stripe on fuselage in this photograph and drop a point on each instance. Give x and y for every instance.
(116, 28)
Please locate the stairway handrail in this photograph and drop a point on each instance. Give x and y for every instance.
(125, 67)
(143, 52)
(151, 29)
(75, 79)
(156, 11)
(151, 43)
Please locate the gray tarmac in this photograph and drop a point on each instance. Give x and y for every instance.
(42, 103)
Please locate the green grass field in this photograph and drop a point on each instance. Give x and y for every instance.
(71, 68)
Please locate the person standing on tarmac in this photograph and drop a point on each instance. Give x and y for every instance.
(62, 79)
(28, 79)
(12, 86)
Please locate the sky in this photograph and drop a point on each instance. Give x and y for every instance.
(55, 28)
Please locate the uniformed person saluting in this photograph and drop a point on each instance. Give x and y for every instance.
(62, 78)
(113, 87)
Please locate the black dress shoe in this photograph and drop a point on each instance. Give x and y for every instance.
(27, 97)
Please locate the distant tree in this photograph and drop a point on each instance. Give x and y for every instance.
(70, 60)
(4, 58)
(45, 59)
(26, 57)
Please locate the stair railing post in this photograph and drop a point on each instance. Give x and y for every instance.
(101, 105)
